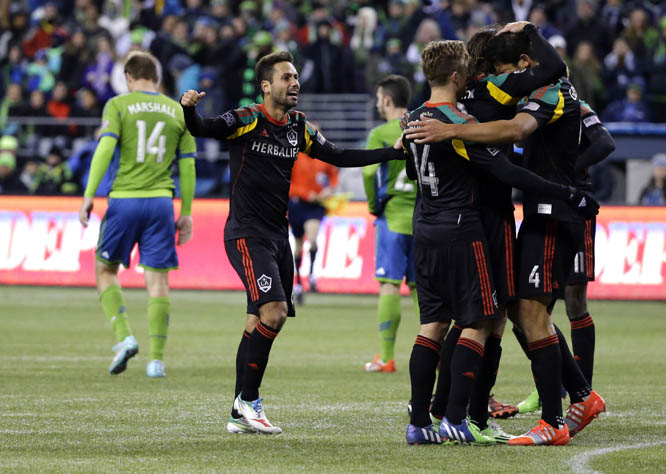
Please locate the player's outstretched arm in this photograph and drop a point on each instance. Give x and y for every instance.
(429, 130)
(217, 127)
(98, 165)
(496, 163)
(324, 150)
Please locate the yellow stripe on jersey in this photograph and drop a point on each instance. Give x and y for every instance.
(459, 147)
(559, 109)
(308, 141)
(243, 130)
(500, 96)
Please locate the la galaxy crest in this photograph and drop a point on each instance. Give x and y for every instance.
(292, 137)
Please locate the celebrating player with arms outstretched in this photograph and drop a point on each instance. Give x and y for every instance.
(149, 130)
(264, 141)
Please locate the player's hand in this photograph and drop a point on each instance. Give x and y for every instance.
(191, 98)
(583, 203)
(85, 210)
(398, 143)
(185, 227)
(324, 194)
(429, 130)
(404, 120)
(514, 27)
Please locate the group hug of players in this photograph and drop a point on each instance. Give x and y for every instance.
(505, 87)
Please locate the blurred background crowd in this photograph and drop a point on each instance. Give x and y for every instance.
(64, 58)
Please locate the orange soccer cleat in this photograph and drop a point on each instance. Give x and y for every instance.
(542, 435)
(580, 414)
(500, 410)
(378, 365)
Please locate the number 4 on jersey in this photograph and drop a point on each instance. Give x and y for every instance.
(150, 147)
(534, 277)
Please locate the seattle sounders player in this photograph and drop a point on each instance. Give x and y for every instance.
(148, 129)
(391, 197)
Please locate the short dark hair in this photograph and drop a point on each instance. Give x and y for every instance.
(264, 68)
(397, 88)
(141, 65)
(440, 59)
(476, 46)
(507, 48)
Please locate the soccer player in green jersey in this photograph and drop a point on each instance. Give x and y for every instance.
(148, 129)
(391, 197)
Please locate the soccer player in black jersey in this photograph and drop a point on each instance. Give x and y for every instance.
(452, 276)
(264, 141)
(549, 124)
(596, 144)
(488, 97)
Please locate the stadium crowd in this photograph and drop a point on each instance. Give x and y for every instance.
(62, 59)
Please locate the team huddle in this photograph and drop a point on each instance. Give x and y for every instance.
(445, 223)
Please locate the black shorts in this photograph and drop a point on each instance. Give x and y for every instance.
(500, 232)
(546, 249)
(582, 270)
(302, 211)
(453, 281)
(266, 268)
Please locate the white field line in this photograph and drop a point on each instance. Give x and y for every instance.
(579, 462)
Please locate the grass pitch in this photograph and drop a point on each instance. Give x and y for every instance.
(60, 410)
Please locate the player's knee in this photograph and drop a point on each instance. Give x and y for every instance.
(575, 301)
(274, 314)
(434, 331)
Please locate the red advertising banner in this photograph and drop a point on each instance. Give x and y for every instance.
(42, 243)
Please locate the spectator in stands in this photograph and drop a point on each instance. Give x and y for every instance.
(91, 27)
(40, 75)
(640, 35)
(630, 109)
(58, 107)
(613, 14)
(14, 68)
(393, 61)
(39, 36)
(654, 194)
(97, 75)
(588, 27)
(10, 182)
(585, 74)
(560, 44)
(210, 50)
(11, 105)
(539, 18)
(428, 31)
(656, 70)
(37, 109)
(74, 60)
(330, 63)
(54, 176)
(620, 67)
(79, 164)
(394, 25)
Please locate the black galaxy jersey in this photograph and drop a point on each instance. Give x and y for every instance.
(552, 149)
(445, 173)
(590, 123)
(262, 152)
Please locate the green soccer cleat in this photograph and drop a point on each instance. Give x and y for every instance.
(466, 433)
(239, 426)
(495, 431)
(531, 404)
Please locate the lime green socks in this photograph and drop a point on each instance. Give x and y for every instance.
(389, 320)
(158, 325)
(114, 307)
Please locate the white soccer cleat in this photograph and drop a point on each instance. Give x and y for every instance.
(125, 350)
(239, 426)
(155, 369)
(254, 414)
